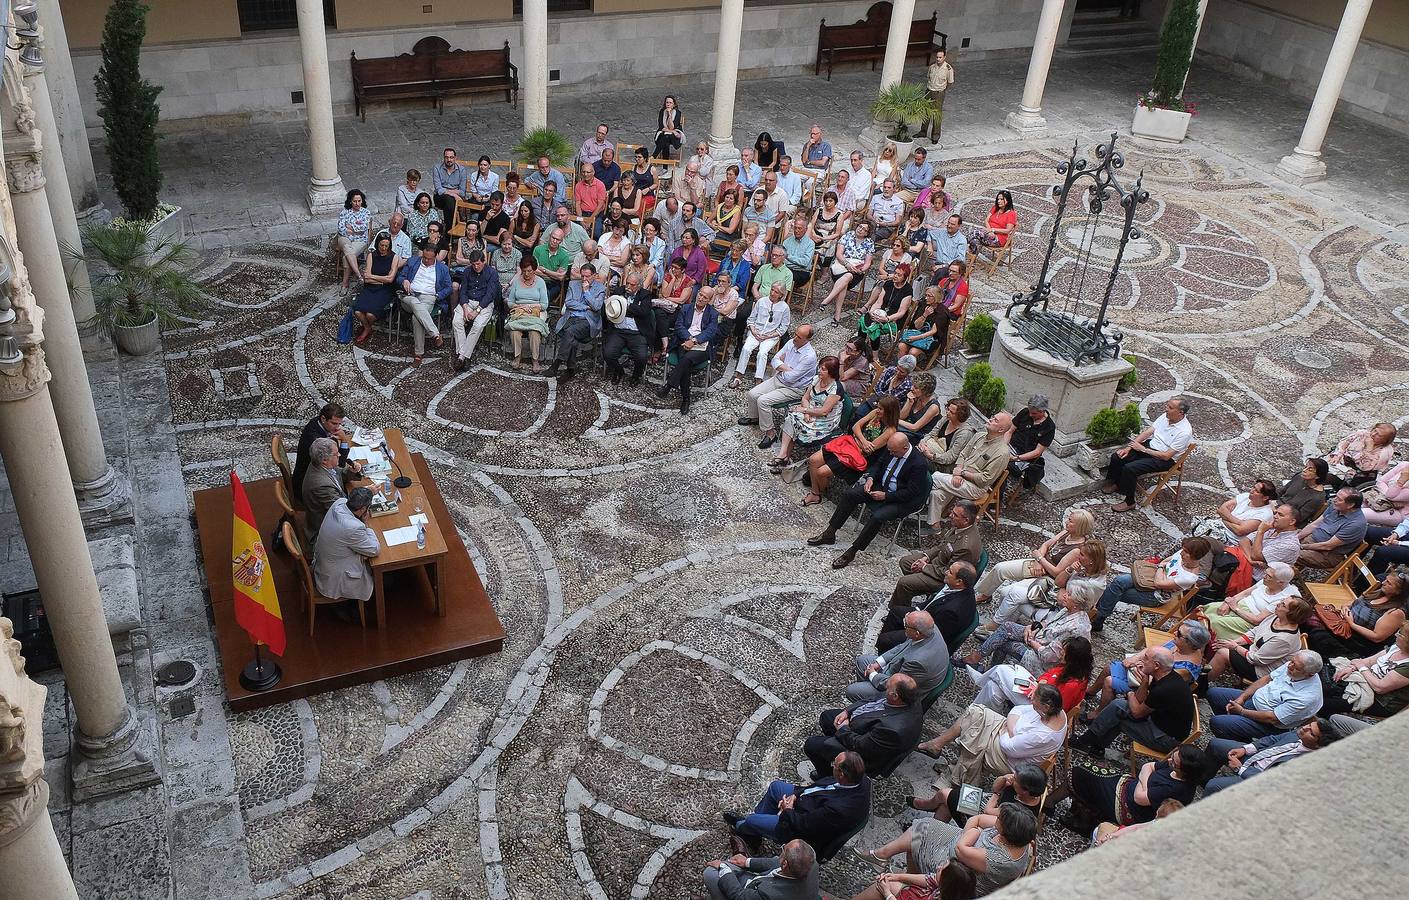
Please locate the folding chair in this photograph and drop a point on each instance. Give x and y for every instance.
(1336, 589)
(1176, 472)
(998, 256)
(991, 503)
(465, 210)
(1138, 750)
(1172, 610)
(281, 462)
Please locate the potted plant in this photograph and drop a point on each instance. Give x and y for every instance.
(1131, 378)
(1162, 115)
(975, 377)
(1108, 428)
(978, 334)
(544, 142)
(127, 103)
(139, 285)
(903, 105)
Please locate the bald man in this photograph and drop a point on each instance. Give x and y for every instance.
(976, 470)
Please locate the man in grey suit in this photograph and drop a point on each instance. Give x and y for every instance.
(923, 656)
(792, 875)
(324, 482)
(344, 543)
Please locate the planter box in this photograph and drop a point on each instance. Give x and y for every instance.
(170, 229)
(1160, 126)
(903, 149)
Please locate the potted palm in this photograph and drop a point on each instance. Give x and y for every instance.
(1162, 115)
(127, 103)
(903, 105)
(544, 142)
(140, 282)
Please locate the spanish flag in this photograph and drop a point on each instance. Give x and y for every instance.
(256, 604)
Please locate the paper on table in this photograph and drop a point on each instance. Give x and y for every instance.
(419, 519)
(370, 437)
(397, 536)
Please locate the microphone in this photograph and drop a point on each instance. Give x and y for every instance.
(400, 480)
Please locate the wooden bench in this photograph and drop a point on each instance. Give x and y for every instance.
(433, 71)
(866, 39)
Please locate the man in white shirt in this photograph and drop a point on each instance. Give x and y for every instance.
(886, 210)
(1152, 450)
(778, 202)
(860, 181)
(794, 367)
(1278, 701)
(400, 241)
(950, 244)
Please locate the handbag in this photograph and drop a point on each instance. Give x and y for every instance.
(1376, 500)
(1333, 619)
(345, 327)
(848, 451)
(1143, 573)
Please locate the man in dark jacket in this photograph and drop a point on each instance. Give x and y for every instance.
(792, 875)
(880, 730)
(820, 813)
(952, 607)
(328, 423)
(895, 485)
(630, 333)
(478, 293)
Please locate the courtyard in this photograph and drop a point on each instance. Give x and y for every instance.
(670, 636)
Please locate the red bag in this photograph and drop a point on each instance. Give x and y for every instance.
(1241, 579)
(848, 451)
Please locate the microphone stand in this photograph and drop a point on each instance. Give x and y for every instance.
(400, 480)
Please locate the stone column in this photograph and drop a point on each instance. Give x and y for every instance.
(100, 491)
(30, 855)
(61, 202)
(326, 193)
(1028, 119)
(1198, 30)
(892, 67)
(68, 116)
(535, 65)
(726, 80)
(1304, 164)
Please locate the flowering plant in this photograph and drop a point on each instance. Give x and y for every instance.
(1178, 104)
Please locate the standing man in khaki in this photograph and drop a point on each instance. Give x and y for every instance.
(976, 470)
(939, 77)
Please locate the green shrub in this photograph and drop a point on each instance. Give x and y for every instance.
(978, 334)
(1176, 47)
(975, 377)
(992, 396)
(544, 142)
(1131, 378)
(1109, 427)
(127, 103)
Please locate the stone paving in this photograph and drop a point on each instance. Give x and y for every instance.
(670, 637)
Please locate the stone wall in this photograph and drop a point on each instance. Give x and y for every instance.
(251, 79)
(1252, 41)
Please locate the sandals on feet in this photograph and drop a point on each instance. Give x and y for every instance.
(811, 499)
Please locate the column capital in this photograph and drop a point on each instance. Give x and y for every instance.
(26, 379)
(24, 172)
(23, 792)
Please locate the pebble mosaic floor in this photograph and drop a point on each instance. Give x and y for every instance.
(670, 638)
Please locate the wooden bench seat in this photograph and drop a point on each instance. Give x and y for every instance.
(433, 71)
(866, 39)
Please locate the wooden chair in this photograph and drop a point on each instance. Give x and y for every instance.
(286, 472)
(1175, 472)
(1171, 610)
(999, 256)
(1138, 750)
(665, 183)
(991, 503)
(287, 513)
(312, 599)
(1336, 589)
(465, 210)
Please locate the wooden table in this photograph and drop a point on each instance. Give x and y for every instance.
(407, 555)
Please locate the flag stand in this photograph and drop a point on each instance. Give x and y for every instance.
(260, 674)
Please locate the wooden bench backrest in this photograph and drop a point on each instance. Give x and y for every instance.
(862, 34)
(922, 31)
(472, 63)
(407, 68)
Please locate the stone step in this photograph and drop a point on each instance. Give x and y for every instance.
(1062, 480)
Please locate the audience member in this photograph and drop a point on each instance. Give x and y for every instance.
(889, 305)
(1149, 585)
(791, 875)
(450, 182)
(816, 153)
(1037, 645)
(1247, 760)
(1366, 625)
(589, 195)
(1387, 500)
(1336, 533)
(798, 250)
(632, 322)
(977, 468)
(766, 325)
(1273, 541)
(670, 123)
(996, 849)
(528, 313)
(544, 174)
(425, 282)
(1236, 615)
(354, 233)
(998, 226)
(579, 324)
(1024, 786)
(483, 184)
(703, 162)
(855, 252)
(885, 166)
(1308, 490)
(1033, 432)
(1157, 708)
(951, 606)
(1278, 701)
(1362, 455)
(1374, 685)
(606, 169)
(950, 245)
(886, 210)
(594, 146)
(480, 293)
(1002, 687)
(1153, 450)
(1128, 800)
(1238, 516)
(406, 193)
(378, 292)
(554, 261)
(915, 175)
(819, 813)
(993, 742)
(817, 416)
(794, 367)
(882, 729)
(696, 327)
(750, 172)
(948, 440)
(893, 487)
(923, 656)
(848, 455)
(923, 572)
(1265, 646)
(1053, 559)
(769, 153)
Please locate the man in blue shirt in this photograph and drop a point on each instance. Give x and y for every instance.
(475, 309)
(817, 154)
(799, 249)
(951, 243)
(606, 168)
(449, 180)
(544, 171)
(916, 175)
(750, 172)
(1278, 701)
(580, 322)
(789, 182)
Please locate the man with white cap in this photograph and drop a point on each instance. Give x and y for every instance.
(1032, 433)
(630, 322)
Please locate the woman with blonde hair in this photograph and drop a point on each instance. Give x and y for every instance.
(1052, 560)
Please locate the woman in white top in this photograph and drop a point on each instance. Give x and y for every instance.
(989, 740)
(616, 247)
(1266, 645)
(766, 324)
(1239, 516)
(1237, 615)
(885, 166)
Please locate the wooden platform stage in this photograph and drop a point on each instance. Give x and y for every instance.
(341, 654)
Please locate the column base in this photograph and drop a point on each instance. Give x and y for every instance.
(94, 214)
(873, 136)
(326, 196)
(1299, 167)
(1026, 122)
(105, 500)
(120, 762)
(722, 149)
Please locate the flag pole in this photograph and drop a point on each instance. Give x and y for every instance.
(260, 674)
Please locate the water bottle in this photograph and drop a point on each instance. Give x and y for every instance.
(420, 537)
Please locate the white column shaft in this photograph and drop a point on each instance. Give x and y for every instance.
(1328, 92)
(535, 64)
(325, 187)
(68, 111)
(726, 79)
(1048, 24)
(1198, 30)
(34, 864)
(63, 568)
(897, 41)
(61, 202)
(73, 396)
